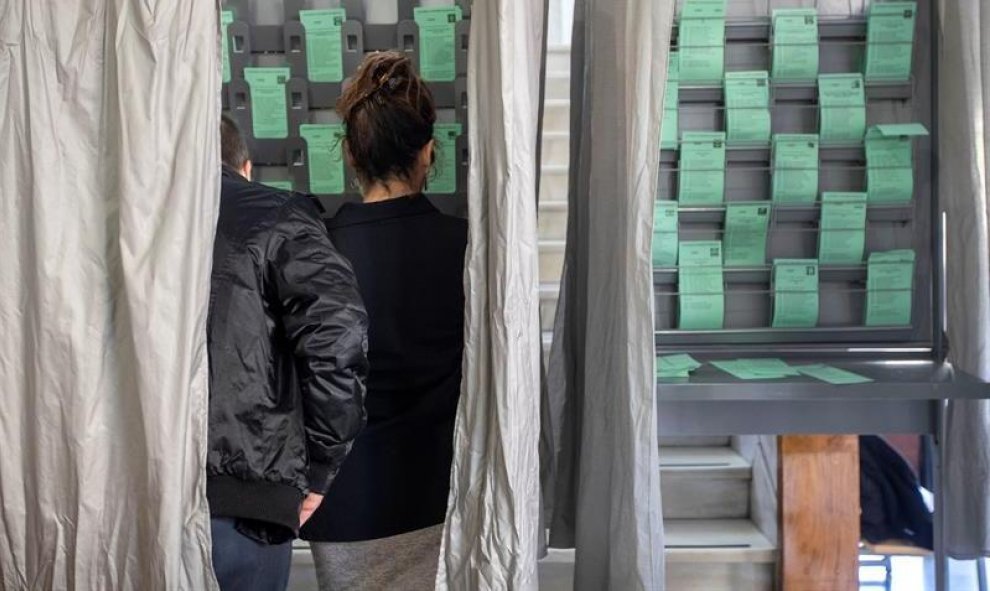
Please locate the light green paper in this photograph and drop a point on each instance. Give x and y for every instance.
(701, 179)
(324, 44)
(669, 125)
(280, 185)
(795, 168)
(745, 238)
(795, 288)
(269, 112)
(890, 162)
(701, 41)
(842, 229)
(890, 40)
(702, 296)
(795, 44)
(664, 234)
(832, 375)
(756, 369)
(437, 46)
(747, 101)
(326, 164)
(444, 178)
(226, 17)
(889, 288)
(676, 366)
(842, 107)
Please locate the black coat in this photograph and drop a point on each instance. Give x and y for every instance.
(287, 337)
(892, 505)
(409, 260)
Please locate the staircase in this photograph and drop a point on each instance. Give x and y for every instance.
(712, 544)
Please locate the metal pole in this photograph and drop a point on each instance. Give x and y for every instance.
(941, 561)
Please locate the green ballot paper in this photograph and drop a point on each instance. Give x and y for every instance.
(280, 185)
(226, 17)
(745, 240)
(676, 366)
(325, 160)
(889, 287)
(701, 42)
(890, 41)
(701, 291)
(747, 102)
(890, 162)
(756, 369)
(665, 234)
(701, 178)
(842, 229)
(832, 375)
(795, 293)
(671, 101)
(324, 44)
(443, 179)
(795, 44)
(437, 46)
(269, 109)
(795, 168)
(842, 107)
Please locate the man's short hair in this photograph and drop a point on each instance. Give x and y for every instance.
(233, 149)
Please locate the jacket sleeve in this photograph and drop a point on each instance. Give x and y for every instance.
(325, 321)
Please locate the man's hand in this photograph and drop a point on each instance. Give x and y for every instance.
(309, 506)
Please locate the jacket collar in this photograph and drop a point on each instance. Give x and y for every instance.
(351, 214)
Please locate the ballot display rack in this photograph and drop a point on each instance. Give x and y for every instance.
(286, 63)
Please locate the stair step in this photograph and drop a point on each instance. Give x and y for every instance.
(553, 184)
(556, 115)
(716, 540)
(696, 441)
(549, 293)
(558, 84)
(559, 58)
(552, 220)
(551, 260)
(556, 148)
(704, 483)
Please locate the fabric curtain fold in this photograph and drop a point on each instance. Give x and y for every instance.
(109, 168)
(603, 486)
(491, 535)
(964, 187)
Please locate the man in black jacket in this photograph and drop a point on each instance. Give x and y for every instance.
(287, 340)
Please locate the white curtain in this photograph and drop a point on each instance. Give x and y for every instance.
(108, 192)
(964, 134)
(605, 478)
(492, 528)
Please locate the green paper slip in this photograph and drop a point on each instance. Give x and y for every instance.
(747, 102)
(832, 375)
(889, 288)
(842, 107)
(700, 283)
(665, 234)
(701, 180)
(280, 185)
(769, 366)
(673, 67)
(745, 240)
(679, 361)
(437, 46)
(795, 168)
(669, 124)
(795, 44)
(890, 40)
(269, 110)
(701, 41)
(890, 162)
(673, 375)
(226, 17)
(842, 229)
(795, 289)
(324, 44)
(325, 159)
(444, 177)
(756, 369)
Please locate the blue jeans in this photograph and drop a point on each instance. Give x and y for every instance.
(243, 564)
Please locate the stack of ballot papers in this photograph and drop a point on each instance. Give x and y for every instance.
(773, 369)
(795, 293)
(671, 100)
(747, 107)
(795, 168)
(795, 44)
(701, 174)
(745, 241)
(664, 233)
(889, 287)
(676, 366)
(890, 41)
(890, 162)
(701, 42)
(841, 108)
(701, 289)
(842, 229)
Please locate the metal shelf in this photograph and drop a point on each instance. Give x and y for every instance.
(792, 92)
(758, 30)
(738, 275)
(850, 153)
(794, 214)
(682, 340)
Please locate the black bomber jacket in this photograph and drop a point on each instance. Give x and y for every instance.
(287, 336)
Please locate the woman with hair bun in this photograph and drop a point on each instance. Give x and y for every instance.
(380, 526)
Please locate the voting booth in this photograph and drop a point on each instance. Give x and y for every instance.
(286, 62)
(798, 240)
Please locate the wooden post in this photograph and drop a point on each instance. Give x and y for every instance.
(819, 513)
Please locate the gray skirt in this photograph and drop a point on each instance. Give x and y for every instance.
(406, 562)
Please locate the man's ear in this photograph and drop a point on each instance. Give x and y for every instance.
(247, 169)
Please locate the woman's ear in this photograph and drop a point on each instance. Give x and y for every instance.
(427, 155)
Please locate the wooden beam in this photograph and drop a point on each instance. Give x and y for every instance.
(819, 513)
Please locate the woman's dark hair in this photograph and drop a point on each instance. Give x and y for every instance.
(388, 115)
